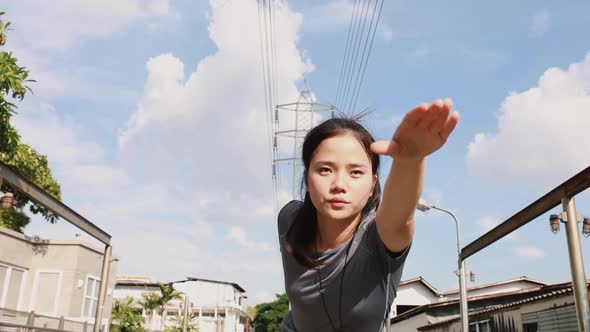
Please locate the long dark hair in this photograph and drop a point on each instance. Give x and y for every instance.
(301, 236)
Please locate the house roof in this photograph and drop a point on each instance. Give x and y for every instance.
(554, 290)
(423, 281)
(531, 290)
(499, 283)
(236, 286)
(136, 283)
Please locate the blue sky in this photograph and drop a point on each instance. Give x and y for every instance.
(152, 116)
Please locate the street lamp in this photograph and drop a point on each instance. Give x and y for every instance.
(555, 219)
(424, 206)
(6, 201)
(586, 227)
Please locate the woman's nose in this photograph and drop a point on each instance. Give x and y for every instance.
(338, 184)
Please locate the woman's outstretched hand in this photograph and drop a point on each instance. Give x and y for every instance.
(423, 130)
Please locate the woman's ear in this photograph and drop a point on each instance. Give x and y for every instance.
(375, 179)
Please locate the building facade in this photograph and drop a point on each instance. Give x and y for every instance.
(54, 279)
(216, 306)
(521, 304)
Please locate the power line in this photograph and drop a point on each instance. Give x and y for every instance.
(348, 77)
(346, 48)
(358, 84)
(268, 55)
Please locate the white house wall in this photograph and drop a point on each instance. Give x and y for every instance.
(209, 294)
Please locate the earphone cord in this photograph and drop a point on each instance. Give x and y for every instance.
(341, 283)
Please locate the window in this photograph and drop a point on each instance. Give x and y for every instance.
(46, 291)
(530, 327)
(482, 326)
(403, 308)
(11, 280)
(90, 297)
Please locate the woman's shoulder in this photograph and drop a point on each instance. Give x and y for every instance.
(287, 215)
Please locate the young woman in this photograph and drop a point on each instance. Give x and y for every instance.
(345, 245)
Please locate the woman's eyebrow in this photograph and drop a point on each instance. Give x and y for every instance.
(354, 165)
(331, 163)
(324, 162)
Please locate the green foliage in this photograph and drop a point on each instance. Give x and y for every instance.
(23, 158)
(269, 315)
(126, 317)
(153, 300)
(191, 326)
(251, 311)
(13, 219)
(168, 293)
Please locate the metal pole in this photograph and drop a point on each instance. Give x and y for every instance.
(104, 281)
(462, 271)
(576, 264)
(463, 297)
(185, 314)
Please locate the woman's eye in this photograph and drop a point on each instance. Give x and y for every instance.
(357, 173)
(324, 170)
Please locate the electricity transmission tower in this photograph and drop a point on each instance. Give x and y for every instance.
(307, 112)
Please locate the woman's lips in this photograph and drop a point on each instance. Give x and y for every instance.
(338, 204)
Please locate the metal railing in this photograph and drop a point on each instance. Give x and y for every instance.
(20, 321)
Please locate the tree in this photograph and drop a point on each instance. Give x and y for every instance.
(191, 326)
(126, 317)
(153, 301)
(23, 158)
(251, 311)
(269, 315)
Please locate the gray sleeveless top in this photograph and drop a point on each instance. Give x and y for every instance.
(369, 266)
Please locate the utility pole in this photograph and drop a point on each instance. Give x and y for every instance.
(307, 112)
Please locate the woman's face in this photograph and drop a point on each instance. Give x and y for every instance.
(340, 179)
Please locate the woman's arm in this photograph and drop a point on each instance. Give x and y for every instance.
(424, 130)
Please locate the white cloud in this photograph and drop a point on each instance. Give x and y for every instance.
(238, 235)
(540, 24)
(62, 24)
(58, 137)
(488, 223)
(192, 171)
(529, 252)
(542, 132)
(209, 126)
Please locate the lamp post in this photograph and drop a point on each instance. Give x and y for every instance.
(424, 206)
(570, 219)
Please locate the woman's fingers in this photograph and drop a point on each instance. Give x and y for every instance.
(442, 116)
(450, 125)
(415, 115)
(431, 114)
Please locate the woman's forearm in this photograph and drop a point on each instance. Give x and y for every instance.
(401, 192)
